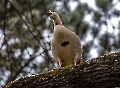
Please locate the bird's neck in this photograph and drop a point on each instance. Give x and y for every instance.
(57, 21)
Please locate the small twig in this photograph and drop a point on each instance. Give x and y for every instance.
(4, 24)
(45, 47)
(5, 36)
(30, 8)
(26, 64)
(31, 14)
(24, 22)
(4, 27)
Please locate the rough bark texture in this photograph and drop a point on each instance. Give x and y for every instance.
(100, 72)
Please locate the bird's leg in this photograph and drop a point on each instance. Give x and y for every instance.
(61, 64)
(76, 61)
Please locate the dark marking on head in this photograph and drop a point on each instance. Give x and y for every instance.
(65, 43)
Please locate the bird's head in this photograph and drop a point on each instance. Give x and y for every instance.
(53, 15)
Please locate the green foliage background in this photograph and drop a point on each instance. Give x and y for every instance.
(25, 33)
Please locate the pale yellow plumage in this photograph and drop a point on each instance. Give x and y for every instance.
(66, 47)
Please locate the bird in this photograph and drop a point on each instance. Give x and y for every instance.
(65, 44)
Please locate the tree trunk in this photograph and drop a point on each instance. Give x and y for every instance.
(100, 72)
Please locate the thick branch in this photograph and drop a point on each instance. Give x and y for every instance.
(101, 72)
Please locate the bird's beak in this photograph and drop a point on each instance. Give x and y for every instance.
(49, 13)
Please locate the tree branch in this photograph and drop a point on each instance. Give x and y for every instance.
(102, 72)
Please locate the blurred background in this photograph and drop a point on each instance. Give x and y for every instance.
(26, 32)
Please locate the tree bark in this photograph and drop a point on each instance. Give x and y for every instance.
(101, 72)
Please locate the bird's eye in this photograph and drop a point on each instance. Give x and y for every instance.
(49, 12)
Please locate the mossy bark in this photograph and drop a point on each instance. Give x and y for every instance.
(100, 72)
